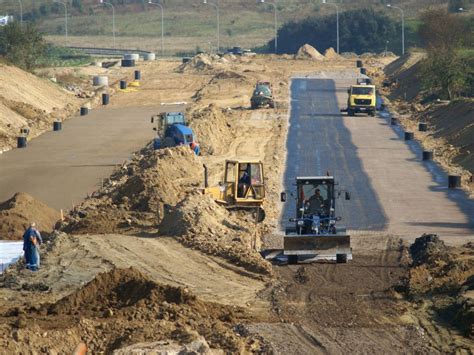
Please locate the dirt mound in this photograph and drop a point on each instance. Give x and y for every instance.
(228, 74)
(199, 63)
(138, 193)
(18, 212)
(331, 54)
(202, 224)
(213, 129)
(308, 52)
(428, 249)
(120, 308)
(28, 101)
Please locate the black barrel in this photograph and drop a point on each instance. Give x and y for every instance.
(21, 142)
(84, 111)
(186, 59)
(57, 125)
(359, 63)
(363, 71)
(454, 181)
(422, 127)
(427, 155)
(123, 84)
(409, 136)
(393, 121)
(138, 75)
(128, 62)
(105, 99)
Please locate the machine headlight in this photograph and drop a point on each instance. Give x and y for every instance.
(301, 223)
(331, 222)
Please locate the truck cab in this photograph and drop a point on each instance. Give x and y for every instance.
(362, 98)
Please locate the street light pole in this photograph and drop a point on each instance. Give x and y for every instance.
(218, 22)
(337, 23)
(162, 25)
(21, 13)
(113, 17)
(275, 22)
(65, 16)
(403, 25)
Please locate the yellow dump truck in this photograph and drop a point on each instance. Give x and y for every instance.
(362, 98)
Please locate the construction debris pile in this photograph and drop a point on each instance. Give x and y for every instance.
(442, 278)
(123, 307)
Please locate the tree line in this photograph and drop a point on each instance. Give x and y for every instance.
(360, 31)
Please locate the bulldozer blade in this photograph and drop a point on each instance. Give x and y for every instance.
(322, 246)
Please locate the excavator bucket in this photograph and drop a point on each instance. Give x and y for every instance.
(322, 247)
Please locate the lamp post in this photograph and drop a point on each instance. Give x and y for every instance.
(218, 24)
(275, 21)
(403, 25)
(113, 17)
(65, 15)
(337, 23)
(162, 25)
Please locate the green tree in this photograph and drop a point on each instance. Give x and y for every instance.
(445, 72)
(22, 46)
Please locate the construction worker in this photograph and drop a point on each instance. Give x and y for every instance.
(315, 202)
(31, 242)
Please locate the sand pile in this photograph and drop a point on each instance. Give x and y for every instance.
(137, 194)
(213, 129)
(331, 54)
(308, 52)
(19, 211)
(202, 224)
(120, 308)
(225, 81)
(200, 63)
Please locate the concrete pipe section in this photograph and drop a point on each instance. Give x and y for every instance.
(392, 190)
(100, 80)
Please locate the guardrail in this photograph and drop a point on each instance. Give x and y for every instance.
(108, 51)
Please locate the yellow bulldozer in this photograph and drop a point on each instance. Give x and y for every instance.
(242, 188)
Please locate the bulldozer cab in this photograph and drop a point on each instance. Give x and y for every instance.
(244, 181)
(315, 196)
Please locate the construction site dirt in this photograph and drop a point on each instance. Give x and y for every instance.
(147, 262)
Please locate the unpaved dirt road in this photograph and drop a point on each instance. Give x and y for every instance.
(61, 168)
(392, 190)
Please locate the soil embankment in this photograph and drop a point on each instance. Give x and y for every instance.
(27, 101)
(450, 124)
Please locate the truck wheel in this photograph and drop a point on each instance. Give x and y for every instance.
(372, 113)
(350, 113)
(259, 214)
(271, 104)
(341, 258)
(253, 105)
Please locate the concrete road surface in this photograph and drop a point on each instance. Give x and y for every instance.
(61, 168)
(392, 189)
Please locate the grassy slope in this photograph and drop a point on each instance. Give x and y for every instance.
(189, 23)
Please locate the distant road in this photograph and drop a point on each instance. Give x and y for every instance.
(392, 190)
(61, 168)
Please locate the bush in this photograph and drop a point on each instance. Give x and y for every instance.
(22, 46)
